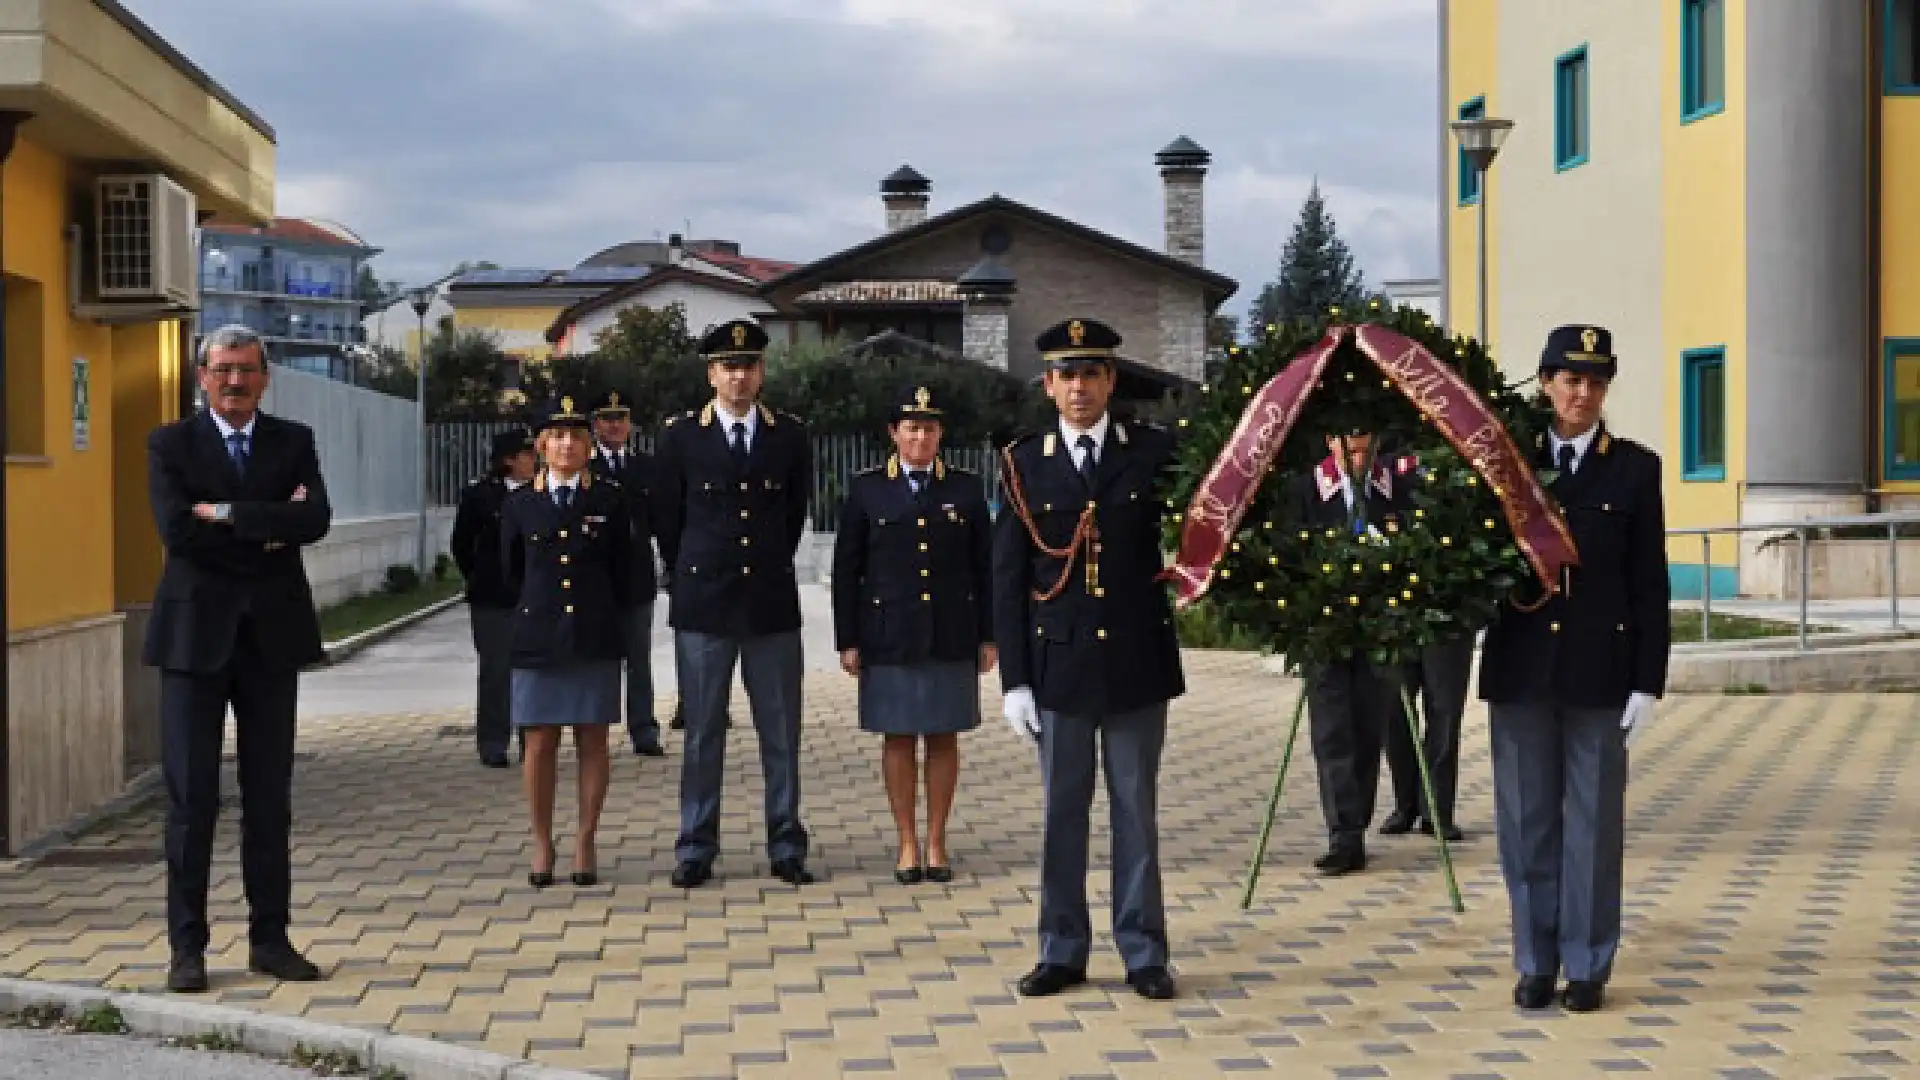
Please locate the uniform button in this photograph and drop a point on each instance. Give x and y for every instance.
(743, 515)
(563, 534)
(923, 522)
(1038, 632)
(1100, 590)
(923, 545)
(1101, 633)
(743, 485)
(924, 572)
(745, 542)
(926, 597)
(569, 609)
(1622, 628)
(1091, 504)
(1553, 627)
(876, 601)
(748, 570)
(564, 560)
(566, 583)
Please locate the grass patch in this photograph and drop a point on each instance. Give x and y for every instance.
(1686, 627)
(102, 1019)
(1201, 627)
(363, 613)
(325, 1062)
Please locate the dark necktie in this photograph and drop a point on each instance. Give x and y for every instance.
(1566, 459)
(918, 478)
(237, 450)
(740, 442)
(565, 495)
(1087, 462)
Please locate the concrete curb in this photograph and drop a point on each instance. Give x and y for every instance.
(276, 1037)
(344, 649)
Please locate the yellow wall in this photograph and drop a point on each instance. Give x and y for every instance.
(145, 385)
(1899, 242)
(1473, 42)
(61, 502)
(1704, 207)
(521, 330)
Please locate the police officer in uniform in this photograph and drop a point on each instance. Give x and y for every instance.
(1350, 700)
(1569, 679)
(475, 545)
(632, 470)
(733, 480)
(1088, 654)
(912, 619)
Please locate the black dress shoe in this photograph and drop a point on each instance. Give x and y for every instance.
(1453, 833)
(496, 759)
(1583, 997)
(187, 974)
(1342, 858)
(1045, 980)
(1533, 992)
(283, 962)
(1398, 822)
(940, 875)
(651, 749)
(1152, 983)
(908, 875)
(691, 875)
(792, 871)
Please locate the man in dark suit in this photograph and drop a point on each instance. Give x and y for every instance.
(733, 479)
(236, 494)
(1351, 700)
(1088, 653)
(632, 470)
(491, 597)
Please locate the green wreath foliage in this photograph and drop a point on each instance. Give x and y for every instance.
(1316, 595)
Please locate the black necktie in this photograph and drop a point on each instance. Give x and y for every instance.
(740, 442)
(1087, 462)
(237, 449)
(1566, 458)
(918, 478)
(565, 495)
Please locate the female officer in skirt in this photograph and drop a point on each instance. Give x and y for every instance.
(1570, 679)
(567, 544)
(912, 621)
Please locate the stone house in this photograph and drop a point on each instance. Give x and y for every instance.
(983, 279)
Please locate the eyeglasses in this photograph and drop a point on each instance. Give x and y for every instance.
(221, 371)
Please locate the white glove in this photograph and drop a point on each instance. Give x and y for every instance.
(1638, 714)
(1021, 714)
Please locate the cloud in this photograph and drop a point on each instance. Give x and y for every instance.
(536, 132)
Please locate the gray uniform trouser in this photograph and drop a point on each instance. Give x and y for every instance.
(642, 727)
(1129, 744)
(770, 666)
(492, 646)
(1559, 795)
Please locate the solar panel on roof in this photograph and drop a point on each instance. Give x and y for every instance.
(503, 277)
(605, 273)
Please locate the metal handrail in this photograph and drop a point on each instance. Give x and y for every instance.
(1802, 530)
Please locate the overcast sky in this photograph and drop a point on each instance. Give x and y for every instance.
(535, 132)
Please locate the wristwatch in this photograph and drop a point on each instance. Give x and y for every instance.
(223, 513)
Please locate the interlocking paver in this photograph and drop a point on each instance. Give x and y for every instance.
(1773, 908)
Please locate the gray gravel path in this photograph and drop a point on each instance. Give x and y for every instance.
(47, 1055)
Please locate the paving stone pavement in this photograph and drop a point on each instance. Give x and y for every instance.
(1773, 912)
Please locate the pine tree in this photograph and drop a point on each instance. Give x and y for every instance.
(1317, 271)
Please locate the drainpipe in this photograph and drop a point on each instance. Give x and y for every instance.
(9, 123)
(1446, 203)
(1875, 429)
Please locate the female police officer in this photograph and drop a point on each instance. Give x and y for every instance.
(912, 578)
(567, 542)
(1570, 679)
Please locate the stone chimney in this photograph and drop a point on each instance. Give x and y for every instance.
(987, 287)
(1183, 173)
(905, 196)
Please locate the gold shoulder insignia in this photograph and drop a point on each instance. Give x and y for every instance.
(939, 469)
(766, 414)
(1051, 442)
(1120, 432)
(706, 415)
(893, 467)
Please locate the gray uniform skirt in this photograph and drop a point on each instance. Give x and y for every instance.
(936, 698)
(568, 695)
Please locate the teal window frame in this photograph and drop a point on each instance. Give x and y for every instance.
(1693, 364)
(1474, 108)
(1892, 349)
(1890, 53)
(1572, 113)
(1694, 102)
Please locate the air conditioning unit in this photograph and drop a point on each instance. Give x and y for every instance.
(144, 247)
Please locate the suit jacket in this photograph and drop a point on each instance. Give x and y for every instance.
(912, 575)
(729, 532)
(1608, 634)
(475, 544)
(1101, 647)
(635, 479)
(572, 570)
(244, 573)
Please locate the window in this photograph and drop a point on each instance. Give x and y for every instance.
(1703, 58)
(1903, 47)
(1570, 135)
(1704, 420)
(1469, 179)
(1902, 424)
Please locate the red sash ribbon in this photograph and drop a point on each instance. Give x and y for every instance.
(1434, 388)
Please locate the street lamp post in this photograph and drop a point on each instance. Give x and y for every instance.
(1480, 141)
(421, 300)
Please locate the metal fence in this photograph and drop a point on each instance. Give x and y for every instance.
(1803, 532)
(368, 441)
(457, 454)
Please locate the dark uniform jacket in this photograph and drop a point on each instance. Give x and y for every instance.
(728, 533)
(636, 483)
(218, 574)
(912, 575)
(1607, 635)
(475, 543)
(572, 571)
(1096, 648)
(1318, 502)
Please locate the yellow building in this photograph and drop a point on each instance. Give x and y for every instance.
(1733, 187)
(86, 91)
